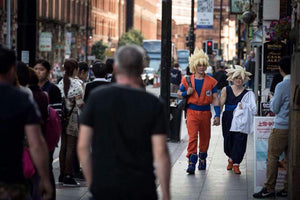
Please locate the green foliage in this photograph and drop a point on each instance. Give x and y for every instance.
(131, 37)
(98, 49)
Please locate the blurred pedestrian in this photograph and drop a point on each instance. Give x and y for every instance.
(109, 64)
(237, 119)
(250, 67)
(175, 78)
(41, 98)
(83, 72)
(82, 76)
(19, 116)
(100, 71)
(278, 139)
(42, 68)
(221, 77)
(22, 77)
(202, 93)
(72, 93)
(126, 128)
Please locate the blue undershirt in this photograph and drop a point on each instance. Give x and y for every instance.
(198, 87)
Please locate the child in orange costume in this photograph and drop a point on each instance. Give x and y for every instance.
(202, 93)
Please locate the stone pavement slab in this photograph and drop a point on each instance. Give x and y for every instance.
(216, 183)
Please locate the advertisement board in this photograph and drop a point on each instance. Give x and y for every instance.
(272, 53)
(205, 14)
(68, 37)
(45, 42)
(262, 129)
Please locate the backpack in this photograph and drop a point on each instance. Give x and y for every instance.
(65, 115)
(53, 128)
(183, 103)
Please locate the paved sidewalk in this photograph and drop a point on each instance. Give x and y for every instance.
(216, 183)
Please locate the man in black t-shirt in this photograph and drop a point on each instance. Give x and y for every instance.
(127, 129)
(221, 77)
(100, 72)
(175, 78)
(19, 116)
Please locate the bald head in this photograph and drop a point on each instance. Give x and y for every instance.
(129, 60)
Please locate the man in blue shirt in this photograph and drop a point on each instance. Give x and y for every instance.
(278, 140)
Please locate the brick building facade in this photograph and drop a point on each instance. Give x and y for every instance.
(108, 19)
(66, 20)
(61, 20)
(146, 13)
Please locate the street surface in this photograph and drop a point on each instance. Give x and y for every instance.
(216, 183)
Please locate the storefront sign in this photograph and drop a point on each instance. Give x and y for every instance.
(239, 6)
(272, 53)
(262, 129)
(205, 14)
(45, 41)
(25, 57)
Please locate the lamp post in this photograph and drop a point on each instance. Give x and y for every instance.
(87, 31)
(141, 20)
(166, 52)
(8, 43)
(191, 32)
(220, 33)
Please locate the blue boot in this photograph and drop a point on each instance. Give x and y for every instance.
(192, 163)
(202, 161)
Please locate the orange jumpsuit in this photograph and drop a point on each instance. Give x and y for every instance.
(199, 122)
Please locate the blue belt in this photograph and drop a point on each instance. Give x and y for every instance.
(199, 108)
(229, 107)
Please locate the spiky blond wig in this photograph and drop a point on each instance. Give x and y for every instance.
(236, 72)
(198, 57)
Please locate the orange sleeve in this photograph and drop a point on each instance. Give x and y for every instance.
(184, 83)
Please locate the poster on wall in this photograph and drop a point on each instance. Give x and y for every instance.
(273, 51)
(205, 14)
(262, 129)
(45, 42)
(239, 6)
(68, 37)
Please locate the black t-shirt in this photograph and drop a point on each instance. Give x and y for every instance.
(123, 120)
(17, 110)
(55, 100)
(90, 86)
(221, 77)
(175, 76)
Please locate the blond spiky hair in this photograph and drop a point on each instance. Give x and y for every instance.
(198, 57)
(236, 72)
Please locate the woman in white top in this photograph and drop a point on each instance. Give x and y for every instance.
(72, 93)
(234, 131)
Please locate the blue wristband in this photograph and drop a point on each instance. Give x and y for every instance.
(184, 94)
(217, 110)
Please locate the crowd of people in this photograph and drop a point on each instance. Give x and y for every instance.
(106, 137)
